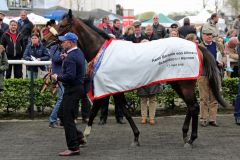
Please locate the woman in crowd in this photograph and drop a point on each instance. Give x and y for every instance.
(35, 51)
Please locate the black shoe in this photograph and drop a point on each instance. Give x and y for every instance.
(120, 121)
(213, 123)
(102, 122)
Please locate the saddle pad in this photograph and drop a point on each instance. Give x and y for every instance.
(125, 66)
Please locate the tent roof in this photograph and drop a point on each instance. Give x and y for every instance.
(55, 14)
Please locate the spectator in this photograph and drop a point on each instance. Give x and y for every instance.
(208, 103)
(186, 28)
(174, 26)
(230, 33)
(55, 53)
(37, 31)
(212, 24)
(173, 33)
(13, 43)
(105, 25)
(231, 50)
(3, 66)
(117, 31)
(138, 36)
(49, 24)
(236, 25)
(25, 27)
(35, 51)
(158, 29)
(128, 31)
(105, 105)
(72, 77)
(192, 37)
(3, 26)
(149, 35)
(148, 98)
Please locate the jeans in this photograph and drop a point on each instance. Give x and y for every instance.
(35, 74)
(60, 91)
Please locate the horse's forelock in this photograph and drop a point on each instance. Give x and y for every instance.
(70, 14)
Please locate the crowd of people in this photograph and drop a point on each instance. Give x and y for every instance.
(20, 40)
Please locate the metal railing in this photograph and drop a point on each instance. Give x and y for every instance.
(30, 63)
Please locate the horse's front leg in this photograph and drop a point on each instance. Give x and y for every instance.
(93, 113)
(120, 99)
(193, 111)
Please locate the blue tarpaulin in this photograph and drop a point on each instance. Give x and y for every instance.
(55, 14)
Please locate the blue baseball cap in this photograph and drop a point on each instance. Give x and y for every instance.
(69, 37)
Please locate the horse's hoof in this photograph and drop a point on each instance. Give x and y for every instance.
(135, 144)
(185, 140)
(85, 140)
(87, 131)
(187, 145)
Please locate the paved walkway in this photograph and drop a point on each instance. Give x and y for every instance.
(33, 140)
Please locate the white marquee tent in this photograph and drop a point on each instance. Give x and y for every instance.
(200, 18)
(34, 18)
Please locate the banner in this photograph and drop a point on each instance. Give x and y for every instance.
(125, 66)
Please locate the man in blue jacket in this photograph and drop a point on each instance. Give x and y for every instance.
(72, 77)
(55, 53)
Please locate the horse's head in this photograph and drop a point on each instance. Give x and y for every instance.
(90, 38)
(64, 26)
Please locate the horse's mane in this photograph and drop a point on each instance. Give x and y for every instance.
(89, 23)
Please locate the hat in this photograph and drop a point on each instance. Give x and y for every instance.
(2, 13)
(68, 37)
(174, 25)
(207, 31)
(137, 24)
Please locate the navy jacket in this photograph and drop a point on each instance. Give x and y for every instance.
(73, 69)
(14, 51)
(55, 52)
(38, 52)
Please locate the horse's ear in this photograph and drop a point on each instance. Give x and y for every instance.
(70, 13)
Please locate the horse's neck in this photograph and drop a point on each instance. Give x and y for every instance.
(90, 41)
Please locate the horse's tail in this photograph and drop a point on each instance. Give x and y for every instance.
(212, 73)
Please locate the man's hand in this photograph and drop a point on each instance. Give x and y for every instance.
(54, 77)
(63, 55)
(220, 64)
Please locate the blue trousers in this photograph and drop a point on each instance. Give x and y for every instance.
(53, 116)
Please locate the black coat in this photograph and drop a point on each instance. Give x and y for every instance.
(185, 30)
(14, 51)
(25, 28)
(134, 39)
(4, 27)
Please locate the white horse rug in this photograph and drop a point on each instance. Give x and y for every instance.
(123, 66)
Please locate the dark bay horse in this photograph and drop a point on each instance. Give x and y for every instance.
(90, 41)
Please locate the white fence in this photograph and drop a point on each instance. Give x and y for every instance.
(31, 63)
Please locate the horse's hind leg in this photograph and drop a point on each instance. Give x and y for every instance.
(120, 99)
(194, 111)
(186, 90)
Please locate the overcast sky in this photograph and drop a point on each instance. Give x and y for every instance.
(164, 6)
